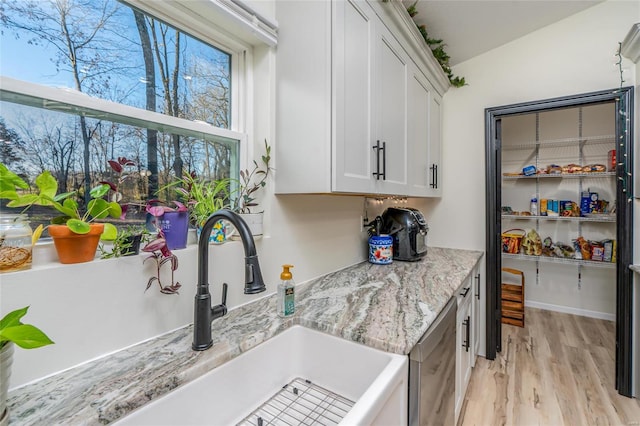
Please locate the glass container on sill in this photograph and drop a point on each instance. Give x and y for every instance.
(15, 243)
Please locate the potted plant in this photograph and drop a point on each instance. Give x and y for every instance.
(205, 197)
(126, 243)
(246, 188)
(27, 336)
(75, 234)
(172, 221)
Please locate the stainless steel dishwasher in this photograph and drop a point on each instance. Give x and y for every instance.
(432, 372)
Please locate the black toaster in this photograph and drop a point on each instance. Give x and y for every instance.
(408, 228)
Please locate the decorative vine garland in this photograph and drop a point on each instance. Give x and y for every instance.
(437, 47)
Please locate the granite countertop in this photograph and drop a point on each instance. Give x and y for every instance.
(388, 307)
(635, 268)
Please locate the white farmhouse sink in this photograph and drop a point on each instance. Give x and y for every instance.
(376, 381)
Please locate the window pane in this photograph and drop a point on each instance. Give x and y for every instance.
(117, 53)
(36, 139)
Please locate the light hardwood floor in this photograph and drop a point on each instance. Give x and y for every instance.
(557, 370)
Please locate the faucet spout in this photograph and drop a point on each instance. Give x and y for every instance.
(204, 313)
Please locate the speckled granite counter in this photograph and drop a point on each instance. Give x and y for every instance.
(385, 307)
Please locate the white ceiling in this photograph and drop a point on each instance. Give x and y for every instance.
(472, 27)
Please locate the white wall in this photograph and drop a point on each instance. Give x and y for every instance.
(569, 57)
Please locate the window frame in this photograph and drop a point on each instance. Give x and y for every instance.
(173, 14)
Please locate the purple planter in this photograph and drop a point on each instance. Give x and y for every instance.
(175, 226)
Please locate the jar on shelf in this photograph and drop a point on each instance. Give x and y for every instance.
(15, 243)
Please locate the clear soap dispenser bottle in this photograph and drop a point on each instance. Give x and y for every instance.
(286, 293)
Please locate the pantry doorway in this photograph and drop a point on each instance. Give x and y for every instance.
(551, 179)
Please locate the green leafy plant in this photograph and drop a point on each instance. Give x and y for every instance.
(125, 241)
(202, 197)
(250, 182)
(26, 336)
(65, 203)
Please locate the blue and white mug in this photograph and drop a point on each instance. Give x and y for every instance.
(381, 249)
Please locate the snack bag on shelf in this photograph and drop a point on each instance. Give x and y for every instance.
(597, 251)
(585, 248)
(532, 244)
(529, 170)
(554, 169)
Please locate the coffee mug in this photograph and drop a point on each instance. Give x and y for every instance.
(381, 249)
(220, 232)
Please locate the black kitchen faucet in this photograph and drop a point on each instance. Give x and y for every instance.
(204, 313)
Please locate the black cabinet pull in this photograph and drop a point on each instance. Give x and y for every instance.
(478, 286)
(434, 176)
(467, 331)
(377, 148)
(465, 291)
(384, 160)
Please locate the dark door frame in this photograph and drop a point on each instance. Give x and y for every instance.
(623, 97)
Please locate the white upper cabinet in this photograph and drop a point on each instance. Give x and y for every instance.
(423, 127)
(391, 114)
(353, 66)
(435, 146)
(354, 108)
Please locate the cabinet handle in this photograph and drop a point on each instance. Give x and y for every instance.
(434, 176)
(478, 286)
(465, 291)
(467, 330)
(377, 148)
(384, 160)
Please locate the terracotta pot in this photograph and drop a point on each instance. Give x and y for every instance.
(76, 248)
(6, 359)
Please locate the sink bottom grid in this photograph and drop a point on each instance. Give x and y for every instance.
(300, 403)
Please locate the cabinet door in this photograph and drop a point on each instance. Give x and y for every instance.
(418, 133)
(463, 354)
(435, 146)
(391, 103)
(353, 44)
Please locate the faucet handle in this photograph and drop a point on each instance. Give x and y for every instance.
(224, 293)
(221, 309)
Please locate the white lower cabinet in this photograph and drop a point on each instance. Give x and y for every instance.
(464, 341)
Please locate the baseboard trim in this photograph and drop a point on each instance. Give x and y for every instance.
(570, 310)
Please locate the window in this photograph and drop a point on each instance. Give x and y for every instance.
(88, 81)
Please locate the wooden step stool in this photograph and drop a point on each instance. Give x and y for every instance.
(513, 300)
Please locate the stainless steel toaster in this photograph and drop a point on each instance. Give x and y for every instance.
(409, 229)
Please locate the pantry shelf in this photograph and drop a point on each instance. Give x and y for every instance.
(561, 176)
(594, 218)
(566, 261)
(594, 140)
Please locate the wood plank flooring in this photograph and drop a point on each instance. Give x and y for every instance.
(557, 370)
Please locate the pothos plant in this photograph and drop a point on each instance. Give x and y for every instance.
(26, 336)
(65, 203)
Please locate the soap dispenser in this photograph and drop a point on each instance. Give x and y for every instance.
(286, 293)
